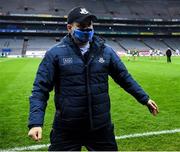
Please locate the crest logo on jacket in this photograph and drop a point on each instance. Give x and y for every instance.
(101, 60)
(67, 60)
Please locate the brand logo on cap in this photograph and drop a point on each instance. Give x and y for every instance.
(84, 11)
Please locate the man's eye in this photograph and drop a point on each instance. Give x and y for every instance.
(82, 26)
(86, 30)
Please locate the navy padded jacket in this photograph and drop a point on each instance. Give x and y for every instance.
(80, 84)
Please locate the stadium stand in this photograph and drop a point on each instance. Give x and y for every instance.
(14, 44)
(174, 43)
(112, 42)
(133, 9)
(155, 44)
(40, 43)
(125, 24)
(132, 43)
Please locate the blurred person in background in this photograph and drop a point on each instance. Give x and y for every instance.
(168, 54)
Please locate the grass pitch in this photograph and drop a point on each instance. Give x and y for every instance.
(159, 79)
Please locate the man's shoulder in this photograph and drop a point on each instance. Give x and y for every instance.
(108, 49)
(107, 46)
(61, 47)
(57, 48)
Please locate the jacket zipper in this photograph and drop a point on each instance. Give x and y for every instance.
(89, 91)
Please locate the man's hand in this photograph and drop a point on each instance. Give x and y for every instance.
(153, 108)
(35, 133)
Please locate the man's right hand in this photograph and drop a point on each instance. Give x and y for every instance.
(35, 133)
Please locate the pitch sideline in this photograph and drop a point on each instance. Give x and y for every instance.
(35, 147)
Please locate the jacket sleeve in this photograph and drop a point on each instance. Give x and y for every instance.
(42, 85)
(121, 76)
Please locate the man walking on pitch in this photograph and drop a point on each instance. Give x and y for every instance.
(78, 68)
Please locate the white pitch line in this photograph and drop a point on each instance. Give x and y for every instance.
(35, 147)
(5, 60)
(148, 134)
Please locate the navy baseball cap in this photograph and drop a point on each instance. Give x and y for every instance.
(79, 15)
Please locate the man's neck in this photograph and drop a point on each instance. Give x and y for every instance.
(84, 48)
(83, 45)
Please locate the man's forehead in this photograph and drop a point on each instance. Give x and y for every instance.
(84, 23)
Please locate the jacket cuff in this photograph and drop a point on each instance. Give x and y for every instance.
(144, 100)
(35, 125)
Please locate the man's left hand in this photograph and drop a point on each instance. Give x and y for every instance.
(153, 108)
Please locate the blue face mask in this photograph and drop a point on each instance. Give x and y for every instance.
(83, 35)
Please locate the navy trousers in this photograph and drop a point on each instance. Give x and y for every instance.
(68, 140)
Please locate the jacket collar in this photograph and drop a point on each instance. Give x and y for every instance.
(96, 47)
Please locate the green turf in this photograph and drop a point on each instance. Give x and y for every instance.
(159, 79)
